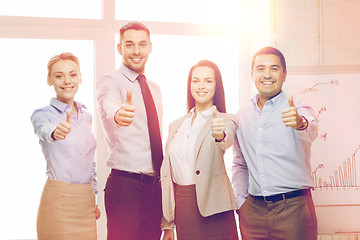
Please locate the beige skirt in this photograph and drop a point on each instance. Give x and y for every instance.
(66, 212)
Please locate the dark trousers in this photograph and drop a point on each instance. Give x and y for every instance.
(133, 208)
(287, 219)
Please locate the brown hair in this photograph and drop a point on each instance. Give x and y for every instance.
(138, 26)
(219, 97)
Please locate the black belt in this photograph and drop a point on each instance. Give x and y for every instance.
(283, 196)
(138, 176)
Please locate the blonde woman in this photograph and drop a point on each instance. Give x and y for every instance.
(67, 207)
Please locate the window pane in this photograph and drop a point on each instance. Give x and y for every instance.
(24, 88)
(185, 11)
(88, 9)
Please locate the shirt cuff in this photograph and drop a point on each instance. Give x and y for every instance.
(110, 115)
(305, 123)
(49, 130)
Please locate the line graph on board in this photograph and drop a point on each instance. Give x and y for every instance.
(335, 154)
(314, 88)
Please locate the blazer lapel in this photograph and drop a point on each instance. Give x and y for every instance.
(201, 137)
(173, 129)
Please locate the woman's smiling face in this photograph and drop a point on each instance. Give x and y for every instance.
(203, 87)
(65, 77)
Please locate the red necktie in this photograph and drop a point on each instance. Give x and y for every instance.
(153, 125)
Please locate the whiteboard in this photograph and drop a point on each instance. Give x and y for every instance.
(335, 156)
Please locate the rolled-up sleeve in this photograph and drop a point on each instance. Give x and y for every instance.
(311, 132)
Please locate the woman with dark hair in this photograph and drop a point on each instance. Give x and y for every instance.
(67, 207)
(197, 195)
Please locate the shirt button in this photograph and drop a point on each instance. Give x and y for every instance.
(197, 172)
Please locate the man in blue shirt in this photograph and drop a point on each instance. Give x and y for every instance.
(271, 166)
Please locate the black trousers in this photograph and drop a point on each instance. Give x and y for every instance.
(133, 208)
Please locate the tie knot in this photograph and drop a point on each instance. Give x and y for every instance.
(141, 78)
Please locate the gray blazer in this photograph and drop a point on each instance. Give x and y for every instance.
(213, 188)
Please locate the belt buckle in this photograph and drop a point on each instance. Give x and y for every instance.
(267, 200)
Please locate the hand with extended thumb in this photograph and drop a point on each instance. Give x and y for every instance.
(291, 117)
(63, 129)
(124, 116)
(217, 126)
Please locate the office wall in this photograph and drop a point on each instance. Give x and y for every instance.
(318, 32)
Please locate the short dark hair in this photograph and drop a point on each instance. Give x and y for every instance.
(272, 51)
(219, 97)
(138, 26)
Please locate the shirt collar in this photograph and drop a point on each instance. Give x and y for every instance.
(205, 113)
(128, 73)
(274, 101)
(278, 99)
(62, 107)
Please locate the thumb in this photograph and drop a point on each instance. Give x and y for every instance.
(128, 97)
(68, 117)
(291, 100)
(214, 111)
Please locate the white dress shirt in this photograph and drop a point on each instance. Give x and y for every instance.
(129, 146)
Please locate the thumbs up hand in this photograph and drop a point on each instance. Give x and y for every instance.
(291, 117)
(217, 126)
(124, 116)
(63, 129)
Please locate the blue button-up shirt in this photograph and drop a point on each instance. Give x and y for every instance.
(70, 160)
(270, 158)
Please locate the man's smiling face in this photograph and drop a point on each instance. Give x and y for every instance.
(135, 47)
(268, 75)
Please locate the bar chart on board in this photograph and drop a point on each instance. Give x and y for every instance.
(335, 155)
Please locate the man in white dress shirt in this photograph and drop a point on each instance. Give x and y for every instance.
(132, 192)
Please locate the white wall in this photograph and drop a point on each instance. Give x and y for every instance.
(318, 32)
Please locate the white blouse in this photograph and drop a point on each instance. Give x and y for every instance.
(181, 148)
